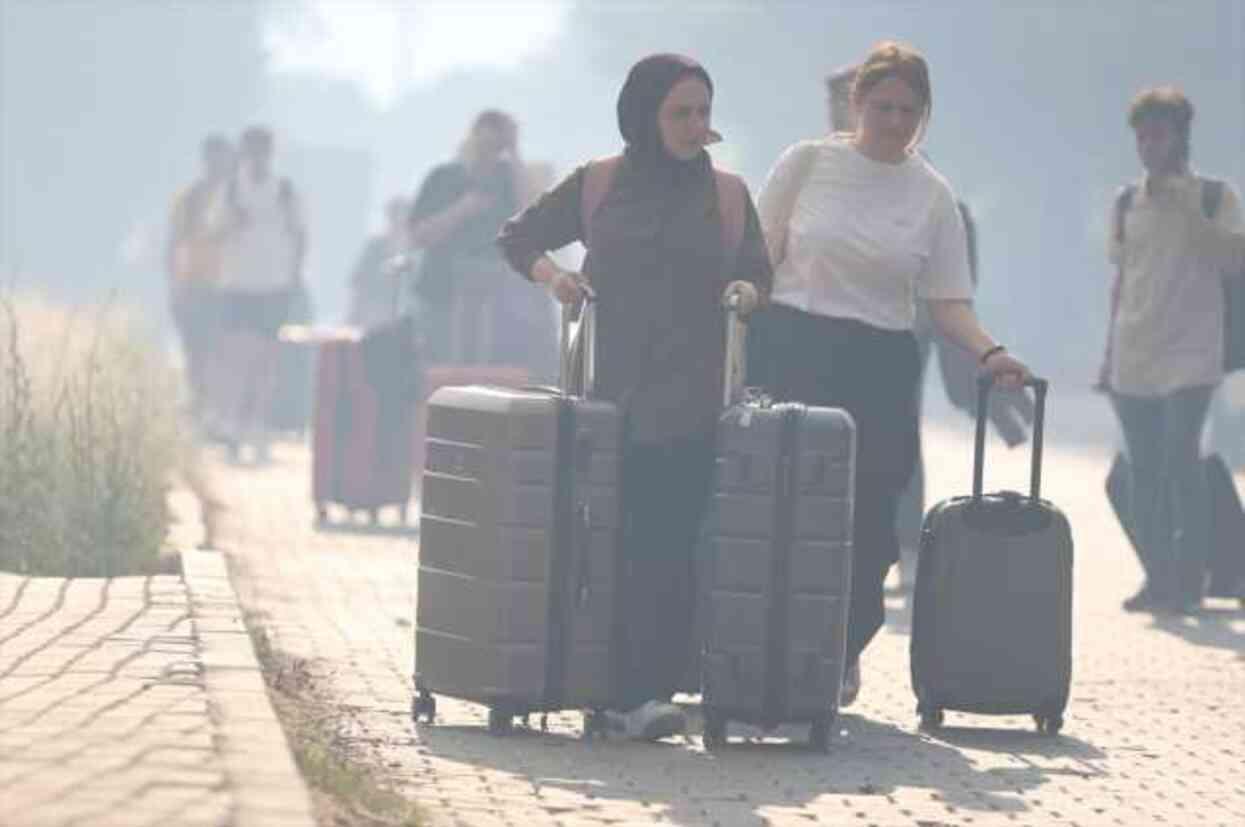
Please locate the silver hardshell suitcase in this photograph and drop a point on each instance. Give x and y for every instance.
(518, 538)
(775, 561)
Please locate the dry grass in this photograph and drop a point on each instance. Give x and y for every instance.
(345, 793)
(89, 439)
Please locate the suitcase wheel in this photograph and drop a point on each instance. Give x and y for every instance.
(931, 718)
(819, 733)
(715, 730)
(500, 721)
(322, 514)
(595, 724)
(1049, 724)
(423, 705)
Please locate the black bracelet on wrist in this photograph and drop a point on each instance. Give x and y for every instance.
(985, 357)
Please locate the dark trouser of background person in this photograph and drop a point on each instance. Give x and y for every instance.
(1169, 499)
(247, 369)
(665, 492)
(196, 314)
(873, 374)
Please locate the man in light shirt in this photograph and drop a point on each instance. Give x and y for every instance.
(1171, 248)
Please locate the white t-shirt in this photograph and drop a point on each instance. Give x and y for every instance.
(1168, 330)
(259, 254)
(865, 238)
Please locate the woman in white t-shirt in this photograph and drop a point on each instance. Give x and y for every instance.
(859, 228)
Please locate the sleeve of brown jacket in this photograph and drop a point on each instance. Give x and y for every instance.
(551, 223)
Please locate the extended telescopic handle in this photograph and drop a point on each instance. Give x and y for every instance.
(577, 360)
(734, 374)
(985, 384)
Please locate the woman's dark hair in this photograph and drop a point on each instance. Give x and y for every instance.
(893, 59)
(1167, 103)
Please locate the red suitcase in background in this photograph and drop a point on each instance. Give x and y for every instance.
(364, 418)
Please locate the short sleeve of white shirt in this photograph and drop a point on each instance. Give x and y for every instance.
(865, 239)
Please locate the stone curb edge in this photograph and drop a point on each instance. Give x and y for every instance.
(266, 787)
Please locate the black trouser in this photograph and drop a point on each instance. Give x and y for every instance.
(873, 374)
(1169, 499)
(665, 491)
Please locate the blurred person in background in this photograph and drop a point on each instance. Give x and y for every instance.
(373, 290)
(657, 264)
(470, 312)
(260, 274)
(1165, 343)
(196, 237)
(861, 230)
(1010, 413)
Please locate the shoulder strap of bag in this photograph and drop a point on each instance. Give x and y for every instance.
(732, 201)
(806, 157)
(598, 178)
(1212, 195)
(1123, 203)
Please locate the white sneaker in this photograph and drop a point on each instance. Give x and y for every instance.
(650, 721)
(851, 685)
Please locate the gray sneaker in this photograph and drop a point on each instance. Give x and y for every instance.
(650, 721)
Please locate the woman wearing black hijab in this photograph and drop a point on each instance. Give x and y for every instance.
(658, 262)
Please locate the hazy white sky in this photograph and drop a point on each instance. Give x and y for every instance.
(387, 46)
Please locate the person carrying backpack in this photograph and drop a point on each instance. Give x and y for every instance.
(1174, 237)
(666, 235)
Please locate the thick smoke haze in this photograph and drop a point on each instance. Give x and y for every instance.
(103, 103)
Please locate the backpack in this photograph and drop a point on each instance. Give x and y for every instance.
(732, 203)
(1233, 284)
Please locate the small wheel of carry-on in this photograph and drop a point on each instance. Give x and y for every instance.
(819, 733)
(500, 721)
(931, 718)
(715, 730)
(1048, 724)
(423, 704)
(595, 724)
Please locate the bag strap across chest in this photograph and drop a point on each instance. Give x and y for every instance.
(731, 194)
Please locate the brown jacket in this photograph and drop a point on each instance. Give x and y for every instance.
(656, 263)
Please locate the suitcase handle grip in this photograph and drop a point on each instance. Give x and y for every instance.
(985, 384)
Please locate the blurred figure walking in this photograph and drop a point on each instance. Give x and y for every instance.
(261, 270)
(1175, 235)
(471, 312)
(193, 262)
(372, 285)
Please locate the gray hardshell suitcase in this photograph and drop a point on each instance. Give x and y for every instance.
(775, 562)
(515, 606)
(992, 612)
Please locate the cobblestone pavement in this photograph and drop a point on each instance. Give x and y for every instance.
(1155, 730)
(137, 701)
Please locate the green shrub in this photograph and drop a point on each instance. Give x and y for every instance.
(89, 440)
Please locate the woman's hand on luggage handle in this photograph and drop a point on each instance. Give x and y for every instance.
(745, 292)
(1006, 370)
(567, 287)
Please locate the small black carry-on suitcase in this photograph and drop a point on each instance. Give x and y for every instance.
(775, 562)
(515, 602)
(992, 614)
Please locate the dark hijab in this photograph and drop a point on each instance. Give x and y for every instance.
(647, 85)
